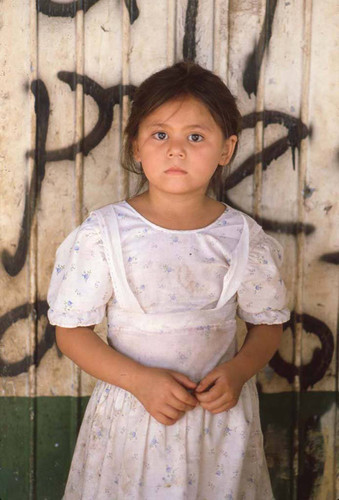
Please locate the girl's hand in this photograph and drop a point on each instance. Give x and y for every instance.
(164, 394)
(223, 384)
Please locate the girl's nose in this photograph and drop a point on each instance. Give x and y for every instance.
(175, 148)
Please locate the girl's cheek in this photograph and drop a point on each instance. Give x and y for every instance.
(150, 142)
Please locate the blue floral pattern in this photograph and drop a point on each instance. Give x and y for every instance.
(81, 283)
(122, 452)
(80, 286)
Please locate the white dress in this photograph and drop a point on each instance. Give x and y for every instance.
(171, 298)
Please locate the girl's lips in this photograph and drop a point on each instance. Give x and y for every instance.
(174, 170)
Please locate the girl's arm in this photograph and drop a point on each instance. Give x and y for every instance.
(162, 392)
(227, 379)
(260, 344)
(83, 346)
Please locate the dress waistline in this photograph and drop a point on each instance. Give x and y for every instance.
(157, 322)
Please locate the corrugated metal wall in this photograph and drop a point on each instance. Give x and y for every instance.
(66, 72)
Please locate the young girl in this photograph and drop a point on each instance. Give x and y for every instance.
(175, 413)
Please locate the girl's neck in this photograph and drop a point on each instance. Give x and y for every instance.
(176, 211)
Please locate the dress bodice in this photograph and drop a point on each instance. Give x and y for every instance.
(192, 341)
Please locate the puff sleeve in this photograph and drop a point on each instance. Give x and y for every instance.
(262, 295)
(80, 285)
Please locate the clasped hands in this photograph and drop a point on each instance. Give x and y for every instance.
(167, 394)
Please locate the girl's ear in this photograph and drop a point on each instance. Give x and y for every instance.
(135, 147)
(228, 149)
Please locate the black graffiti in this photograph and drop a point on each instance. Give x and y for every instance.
(283, 227)
(312, 452)
(47, 340)
(69, 9)
(59, 9)
(281, 414)
(14, 264)
(189, 44)
(331, 258)
(309, 373)
(133, 10)
(311, 464)
(105, 100)
(296, 131)
(254, 60)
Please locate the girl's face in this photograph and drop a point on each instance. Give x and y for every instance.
(180, 146)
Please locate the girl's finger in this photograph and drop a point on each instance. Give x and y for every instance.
(207, 381)
(223, 407)
(215, 403)
(185, 381)
(171, 412)
(185, 397)
(163, 419)
(214, 393)
(180, 405)
(181, 394)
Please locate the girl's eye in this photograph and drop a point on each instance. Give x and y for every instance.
(195, 137)
(160, 135)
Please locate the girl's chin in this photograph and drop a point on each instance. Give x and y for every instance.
(177, 189)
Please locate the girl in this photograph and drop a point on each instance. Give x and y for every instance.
(175, 412)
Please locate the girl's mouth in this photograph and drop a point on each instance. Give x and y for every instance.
(175, 171)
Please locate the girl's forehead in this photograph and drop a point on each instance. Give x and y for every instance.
(183, 108)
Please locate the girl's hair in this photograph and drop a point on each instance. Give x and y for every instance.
(180, 80)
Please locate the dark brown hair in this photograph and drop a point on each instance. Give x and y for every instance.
(180, 80)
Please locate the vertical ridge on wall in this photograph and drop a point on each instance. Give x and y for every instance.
(302, 173)
(221, 54)
(320, 279)
(32, 173)
(220, 38)
(79, 167)
(302, 170)
(259, 126)
(79, 116)
(125, 102)
(179, 32)
(171, 23)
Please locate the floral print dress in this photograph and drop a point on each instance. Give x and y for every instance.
(171, 298)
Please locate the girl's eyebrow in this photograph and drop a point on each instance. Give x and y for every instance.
(194, 125)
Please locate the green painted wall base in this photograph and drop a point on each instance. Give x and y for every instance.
(35, 453)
